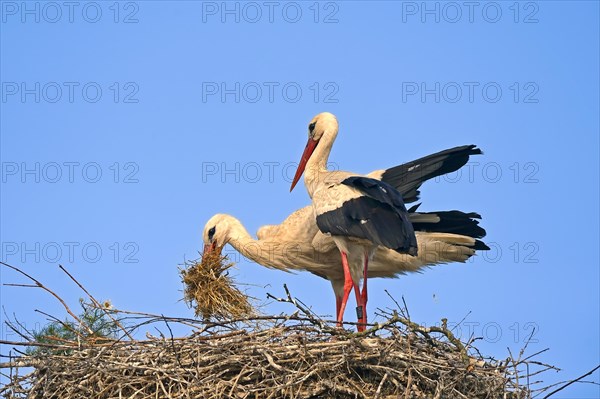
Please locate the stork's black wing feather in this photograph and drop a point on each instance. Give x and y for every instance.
(408, 177)
(378, 216)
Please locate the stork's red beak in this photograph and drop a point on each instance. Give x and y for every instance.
(308, 150)
(208, 248)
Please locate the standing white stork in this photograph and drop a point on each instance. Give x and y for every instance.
(297, 243)
(360, 213)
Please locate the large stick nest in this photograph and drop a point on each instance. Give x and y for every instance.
(287, 360)
(274, 357)
(288, 356)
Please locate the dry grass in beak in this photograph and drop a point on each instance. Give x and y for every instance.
(211, 291)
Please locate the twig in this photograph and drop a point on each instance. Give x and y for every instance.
(378, 392)
(461, 321)
(572, 382)
(303, 308)
(62, 323)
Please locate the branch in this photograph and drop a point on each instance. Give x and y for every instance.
(42, 286)
(571, 382)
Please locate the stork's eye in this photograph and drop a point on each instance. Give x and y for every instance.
(311, 127)
(211, 232)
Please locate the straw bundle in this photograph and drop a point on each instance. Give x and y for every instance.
(210, 290)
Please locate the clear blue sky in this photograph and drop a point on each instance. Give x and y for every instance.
(125, 126)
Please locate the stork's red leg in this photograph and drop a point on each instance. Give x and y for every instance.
(347, 288)
(360, 309)
(365, 273)
(338, 306)
(361, 303)
(364, 290)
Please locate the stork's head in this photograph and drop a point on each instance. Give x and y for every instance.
(324, 124)
(217, 232)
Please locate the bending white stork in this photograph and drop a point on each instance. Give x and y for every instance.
(297, 244)
(360, 213)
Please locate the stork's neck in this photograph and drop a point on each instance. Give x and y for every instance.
(246, 245)
(239, 238)
(316, 167)
(237, 232)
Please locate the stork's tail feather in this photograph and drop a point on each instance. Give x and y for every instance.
(408, 177)
(454, 222)
(480, 246)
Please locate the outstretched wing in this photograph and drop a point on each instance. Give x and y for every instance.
(408, 177)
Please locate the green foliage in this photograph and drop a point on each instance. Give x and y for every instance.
(93, 319)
